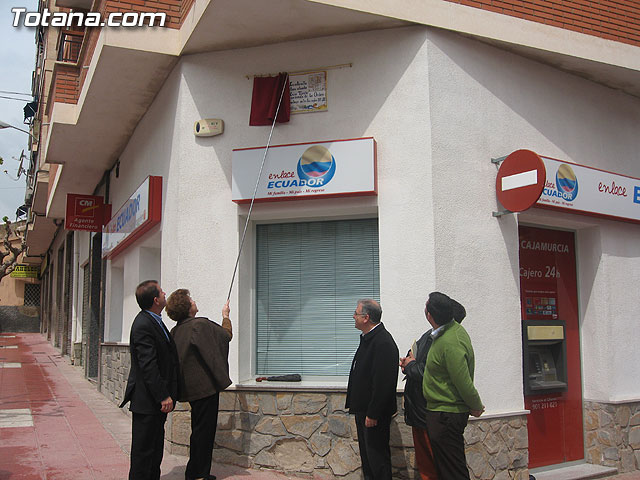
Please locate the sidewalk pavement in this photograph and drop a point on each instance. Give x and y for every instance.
(55, 425)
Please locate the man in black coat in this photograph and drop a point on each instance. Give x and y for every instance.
(371, 393)
(153, 382)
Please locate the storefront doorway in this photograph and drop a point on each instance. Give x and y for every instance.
(551, 345)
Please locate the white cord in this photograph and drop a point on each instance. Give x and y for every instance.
(255, 190)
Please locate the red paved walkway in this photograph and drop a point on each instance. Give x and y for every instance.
(76, 432)
(66, 440)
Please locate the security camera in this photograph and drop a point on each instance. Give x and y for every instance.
(208, 127)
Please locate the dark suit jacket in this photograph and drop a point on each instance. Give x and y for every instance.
(154, 366)
(374, 375)
(415, 405)
(203, 350)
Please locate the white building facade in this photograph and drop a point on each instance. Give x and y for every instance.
(440, 106)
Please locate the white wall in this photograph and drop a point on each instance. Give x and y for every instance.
(80, 256)
(81, 243)
(149, 152)
(609, 302)
(487, 103)
(125, 272)
(113, 310)
(382, 95)
(76, 294)
(439, 106)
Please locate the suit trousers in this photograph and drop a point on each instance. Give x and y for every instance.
(204, 420)
(147, 446)
(375, 453)
(424, 455)
(446, 433)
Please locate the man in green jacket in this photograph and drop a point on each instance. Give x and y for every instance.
(448, 388)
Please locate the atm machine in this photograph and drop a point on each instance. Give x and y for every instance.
(544, 356)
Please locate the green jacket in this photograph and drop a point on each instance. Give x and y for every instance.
(447, 384)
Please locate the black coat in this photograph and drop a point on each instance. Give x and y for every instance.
(154, 366)
(374, 375)
(415, 406)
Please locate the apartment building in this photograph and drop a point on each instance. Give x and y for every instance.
(414, 107)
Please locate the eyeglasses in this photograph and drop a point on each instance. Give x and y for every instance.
(356, 314)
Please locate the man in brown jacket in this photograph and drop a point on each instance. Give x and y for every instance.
(203, 350)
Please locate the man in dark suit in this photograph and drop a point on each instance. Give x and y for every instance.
(153, 382)
(371, 393)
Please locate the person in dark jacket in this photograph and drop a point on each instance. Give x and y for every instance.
(415, 406)
(371, 392)
(203, 349)
(152, 387)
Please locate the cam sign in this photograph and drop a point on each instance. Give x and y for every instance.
(85, 213)
(306, 170)
(579, 189)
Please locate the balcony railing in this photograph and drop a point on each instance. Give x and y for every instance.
(69, 46)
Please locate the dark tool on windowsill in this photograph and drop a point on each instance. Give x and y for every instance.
(281, 378)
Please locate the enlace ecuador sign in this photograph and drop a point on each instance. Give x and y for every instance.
(137, 216)
(337, 168)
(590, 191)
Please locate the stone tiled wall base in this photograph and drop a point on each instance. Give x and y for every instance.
(311, 434)
(113, 371)
(498, 448)
(612, 435)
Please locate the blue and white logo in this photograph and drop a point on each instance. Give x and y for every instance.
(567, 183)
(316, 166)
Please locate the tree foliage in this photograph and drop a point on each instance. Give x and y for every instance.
(13, 245)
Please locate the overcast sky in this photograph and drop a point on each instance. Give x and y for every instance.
(17, 59)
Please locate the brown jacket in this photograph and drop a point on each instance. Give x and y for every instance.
(203, 350)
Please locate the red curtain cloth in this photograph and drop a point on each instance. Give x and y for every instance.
(266, 95)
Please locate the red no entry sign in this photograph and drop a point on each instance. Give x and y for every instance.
(520, 180)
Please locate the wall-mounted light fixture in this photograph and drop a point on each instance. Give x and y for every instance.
(6, 125)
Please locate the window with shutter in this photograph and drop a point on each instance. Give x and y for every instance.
(309, 279)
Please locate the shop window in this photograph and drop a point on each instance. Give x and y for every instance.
(32, 295)
(309, 278)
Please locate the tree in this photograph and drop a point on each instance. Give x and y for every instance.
(13, 245)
